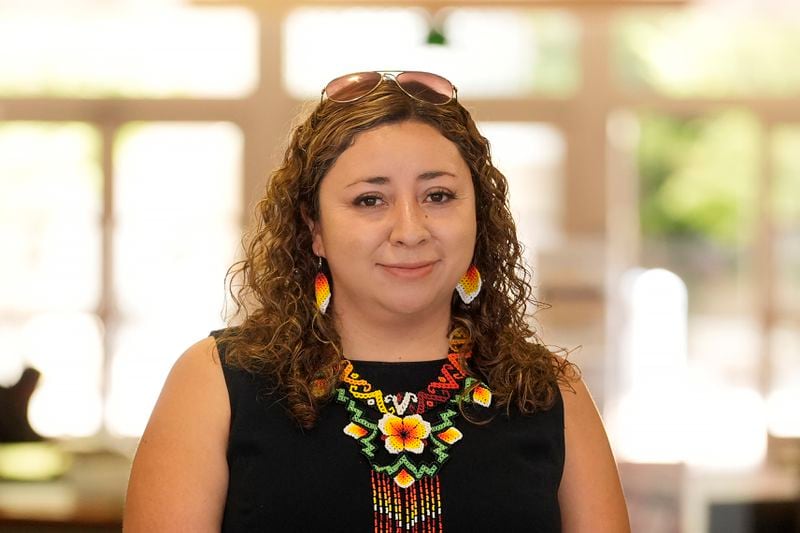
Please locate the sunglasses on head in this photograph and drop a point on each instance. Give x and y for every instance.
(423, 86)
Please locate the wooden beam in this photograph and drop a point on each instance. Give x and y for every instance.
(435, 4)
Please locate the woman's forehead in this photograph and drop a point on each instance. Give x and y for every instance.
(403, 148)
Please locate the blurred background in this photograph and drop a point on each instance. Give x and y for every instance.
(653, 151)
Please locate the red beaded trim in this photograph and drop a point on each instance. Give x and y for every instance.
(437, 392)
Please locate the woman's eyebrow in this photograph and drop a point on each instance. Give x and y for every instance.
(434, 174)
(383, 180)
(375, 180)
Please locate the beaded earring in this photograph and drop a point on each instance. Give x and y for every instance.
(469, 285)
(322, 289)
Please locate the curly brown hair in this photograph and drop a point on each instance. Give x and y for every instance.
(281, 335)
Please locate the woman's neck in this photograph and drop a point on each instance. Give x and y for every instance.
(413, 339)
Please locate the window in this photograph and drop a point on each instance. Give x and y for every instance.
(50, 212)
(699, 179)
(175, 228)
(101, 52)
(487, 52)
(711, 53)
(784, 341)
(531, 156)
(178, 207)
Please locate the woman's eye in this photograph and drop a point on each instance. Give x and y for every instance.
(367, 201)
(439, 197)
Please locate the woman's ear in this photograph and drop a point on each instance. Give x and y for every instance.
(316, 234)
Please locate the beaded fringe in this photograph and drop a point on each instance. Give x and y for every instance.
(417, 508)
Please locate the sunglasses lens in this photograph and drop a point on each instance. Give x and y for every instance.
(426, 86)
(352, 86)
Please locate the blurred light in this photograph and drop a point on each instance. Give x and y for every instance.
(783, 400)
(783, 412)
(170, 243)
(75, 6)
(531, 155)
(650, 428)
(482, 53)
(395, 37)
(662, 416)
(32, 461)
(135, 386)
(648, 421)
(143, 356)
(727, 428)
(710, 51)
(49, 212)
(57, 409)
(658, 344)
(750, 7)
(171, 252)
(66, 349)
(11, 363)
(99, 50)
(49, 502)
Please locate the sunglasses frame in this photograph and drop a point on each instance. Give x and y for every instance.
(391, 75)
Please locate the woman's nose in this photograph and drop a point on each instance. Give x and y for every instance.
(409, 224)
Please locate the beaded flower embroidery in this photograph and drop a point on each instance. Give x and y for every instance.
(401, 434)
(406, 438)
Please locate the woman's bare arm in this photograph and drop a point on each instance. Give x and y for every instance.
(179, 477)
(590, 495)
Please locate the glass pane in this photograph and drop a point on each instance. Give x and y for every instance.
(486, 52)
(162, 51)
(783, 399)
(12, 357)
(712, 52)
(50, 210)
(178, 205)
(698, 177)
(786, 208)
(176, 168)
(67, 349)
(785, 339)
(144, 353)
(511, 52)
(697, 210)
(394, 36)
(531, 156)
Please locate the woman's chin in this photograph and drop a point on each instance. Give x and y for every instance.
(408, 307)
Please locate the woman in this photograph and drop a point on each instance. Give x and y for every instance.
(382, 376)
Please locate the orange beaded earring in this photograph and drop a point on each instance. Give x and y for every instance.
(469, 285)
(322, 289)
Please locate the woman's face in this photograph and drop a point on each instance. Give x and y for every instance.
(397, 221)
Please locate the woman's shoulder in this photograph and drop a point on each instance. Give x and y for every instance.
(575, 396)
(184, 442)
(244, 375)
(198, 368)
(589, 457)
(221, 338)
(203, 352)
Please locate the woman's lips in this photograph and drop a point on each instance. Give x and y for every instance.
(410, 271)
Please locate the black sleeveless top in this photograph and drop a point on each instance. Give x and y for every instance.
(503, 476)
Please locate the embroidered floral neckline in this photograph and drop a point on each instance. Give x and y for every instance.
(436, 392)
(405, 449)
